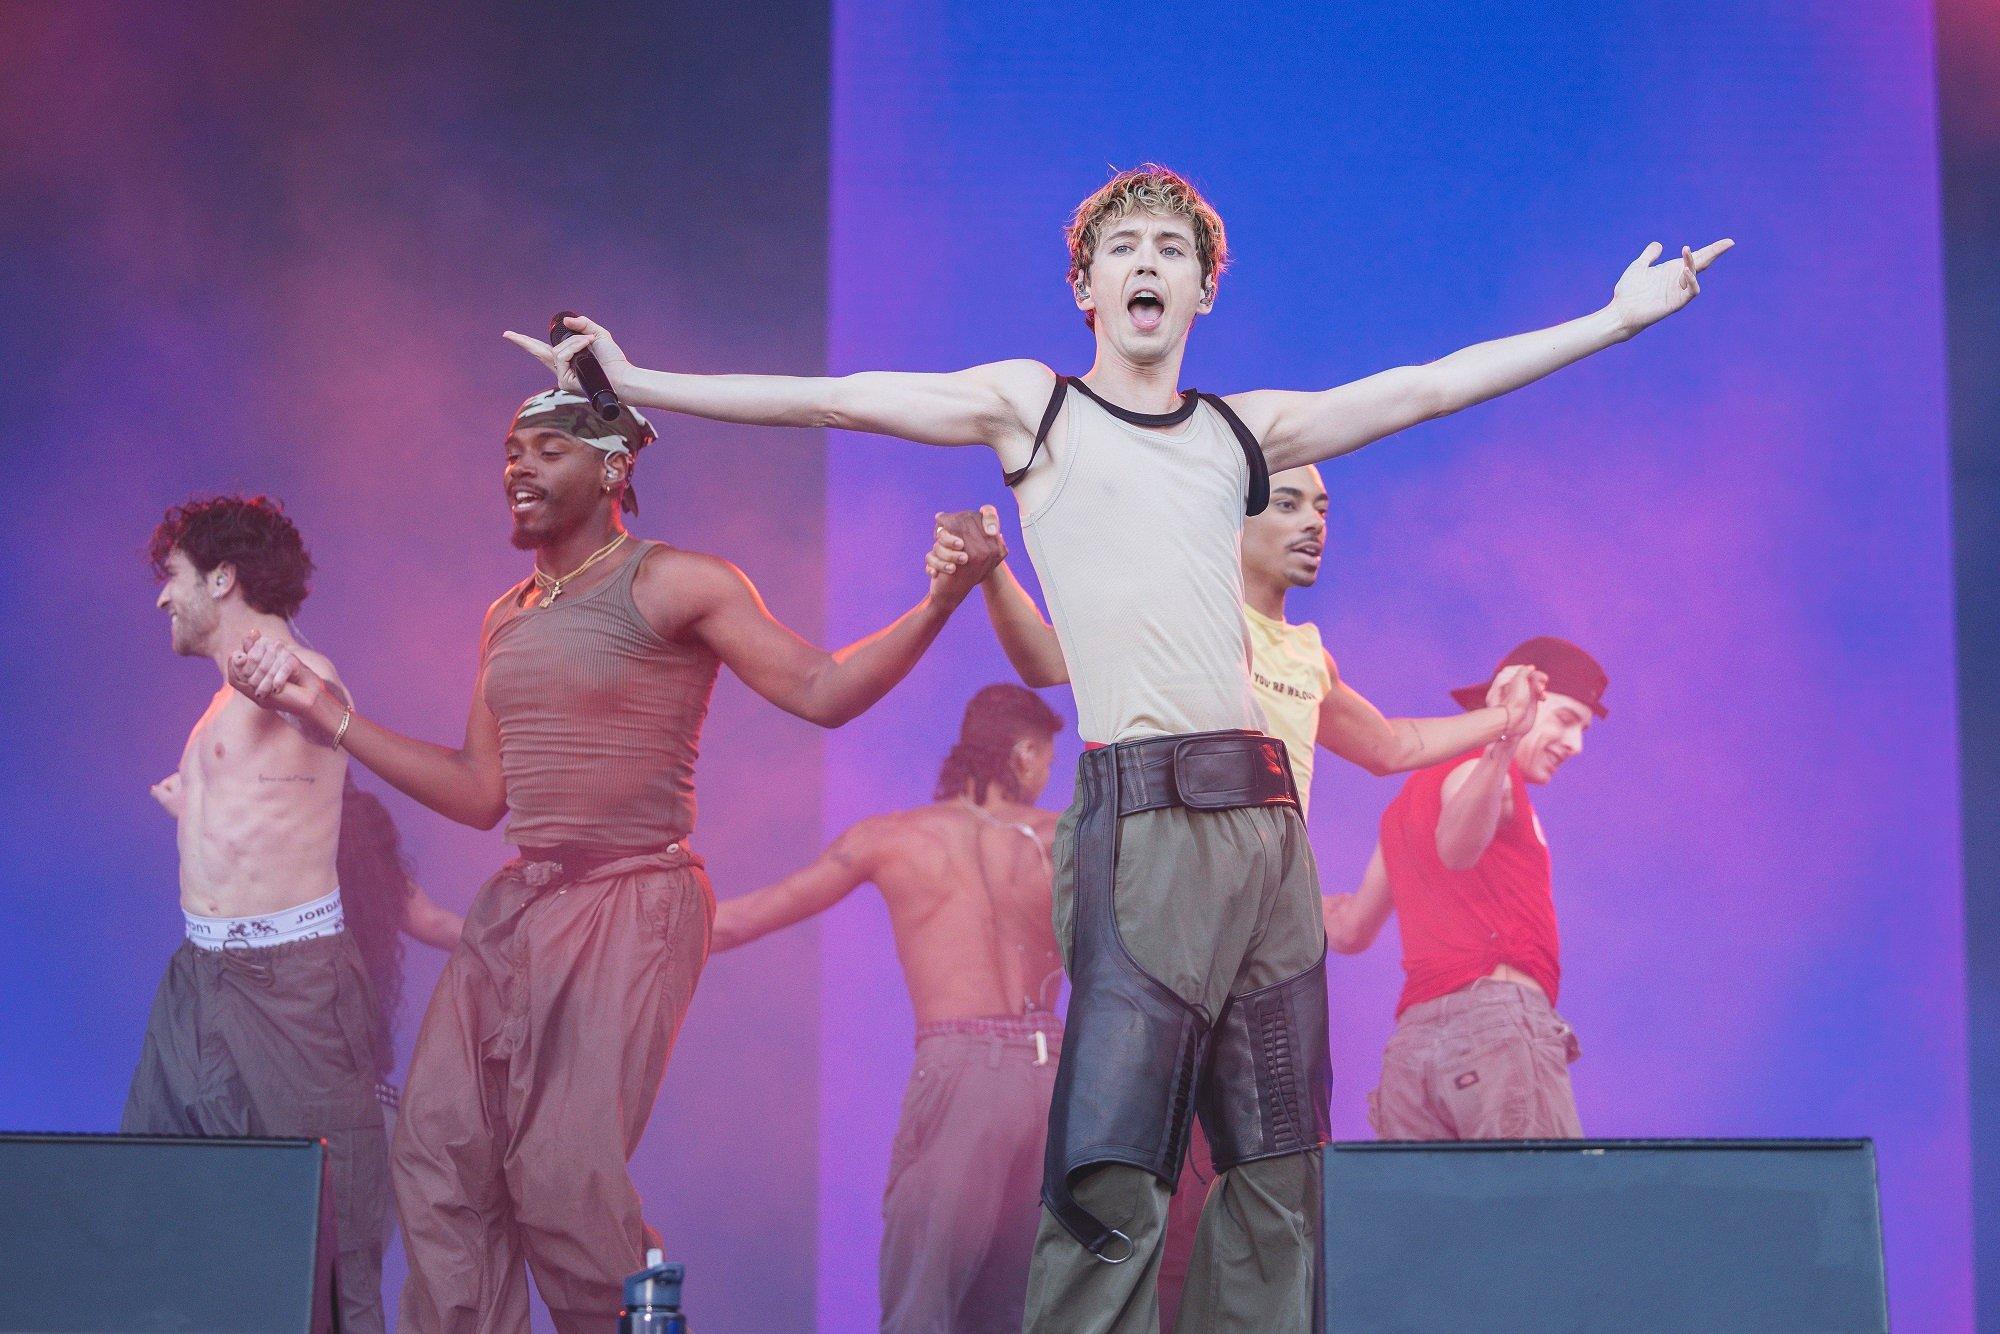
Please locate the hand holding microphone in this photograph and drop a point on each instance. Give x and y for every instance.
(578, 351)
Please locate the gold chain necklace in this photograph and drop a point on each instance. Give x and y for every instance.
(552, 585)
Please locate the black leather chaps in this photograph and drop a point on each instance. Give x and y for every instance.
(1138, 1060)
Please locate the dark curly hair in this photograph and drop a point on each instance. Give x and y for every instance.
(249, 533)
(996, 718)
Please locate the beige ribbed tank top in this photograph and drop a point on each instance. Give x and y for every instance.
(1134, 532)
(600, 718)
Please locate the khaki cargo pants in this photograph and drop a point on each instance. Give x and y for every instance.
(1489, 1061)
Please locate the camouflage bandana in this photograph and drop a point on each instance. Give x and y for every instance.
(572, 414)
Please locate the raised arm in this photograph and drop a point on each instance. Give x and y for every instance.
(1300, 428)
(1029, 641)
(1475, 794)
(1354, 729)
(462, 785)
(717, 604)
(1354, 920)
(827, 881)
(997, 404)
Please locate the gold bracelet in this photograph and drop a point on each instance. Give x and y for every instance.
(340, 733)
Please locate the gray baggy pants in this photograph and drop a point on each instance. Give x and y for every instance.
(1213, 904)
(278, 1042)
(965, 1176)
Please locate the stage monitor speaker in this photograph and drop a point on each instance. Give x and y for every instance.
(1585, 1235)
(131, 1232)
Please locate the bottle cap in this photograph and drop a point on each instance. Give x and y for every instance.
(656, 1287)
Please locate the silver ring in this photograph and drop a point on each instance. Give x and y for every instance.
(1130, 1250)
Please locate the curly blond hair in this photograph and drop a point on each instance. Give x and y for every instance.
(1147, 188)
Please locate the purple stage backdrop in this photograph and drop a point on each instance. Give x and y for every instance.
(273, 248)
(1743, 513)
(270, 247)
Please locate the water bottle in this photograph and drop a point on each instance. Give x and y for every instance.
(653, 1299)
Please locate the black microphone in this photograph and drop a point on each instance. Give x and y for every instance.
(595, 387)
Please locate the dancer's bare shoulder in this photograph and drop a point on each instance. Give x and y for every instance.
(918, 832)
(235, 714)
(902, 852)
(323, 667)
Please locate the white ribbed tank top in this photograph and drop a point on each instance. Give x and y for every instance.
(1135, 534)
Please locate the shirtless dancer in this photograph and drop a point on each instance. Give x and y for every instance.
(1306, 704)
(967, 883)
(379, 904)
(543, 1049)
(1182, 864)
(264, 1023)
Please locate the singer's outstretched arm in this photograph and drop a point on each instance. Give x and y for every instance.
(997, 405)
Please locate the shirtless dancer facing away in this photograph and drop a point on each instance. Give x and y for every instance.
(1306, 704)
(545, 1043)
(1182, 865)
(966, 879)
(264, 1023)
(1479, 1051)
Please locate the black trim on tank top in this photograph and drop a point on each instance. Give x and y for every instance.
(1190, 399)
(1259, 495)
(1013, 479)
(1253, 455)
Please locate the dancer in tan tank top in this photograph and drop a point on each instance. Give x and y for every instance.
(1132, 493)
(542, 1052)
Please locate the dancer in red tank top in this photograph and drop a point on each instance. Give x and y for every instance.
(545, 1043)
(1479, 1051)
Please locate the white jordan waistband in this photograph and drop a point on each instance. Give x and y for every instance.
(321, 917)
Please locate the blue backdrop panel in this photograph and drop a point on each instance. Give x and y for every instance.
(1743, 513)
